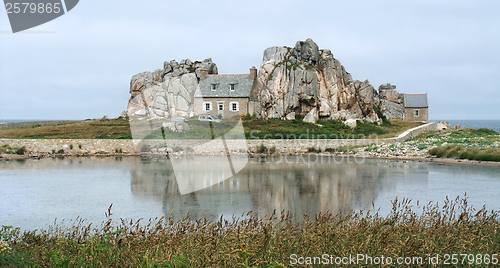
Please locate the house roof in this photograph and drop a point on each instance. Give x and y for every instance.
(416, 101)
(242, 86)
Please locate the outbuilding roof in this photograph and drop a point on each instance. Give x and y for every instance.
(219, 85)
(416, 101)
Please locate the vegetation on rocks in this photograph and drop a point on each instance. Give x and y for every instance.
(420, 231)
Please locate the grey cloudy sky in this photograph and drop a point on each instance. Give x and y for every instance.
(79, 65)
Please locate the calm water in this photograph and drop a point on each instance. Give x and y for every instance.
(35, 192)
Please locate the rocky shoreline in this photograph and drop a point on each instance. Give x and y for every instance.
(412, 145)
(420, 157)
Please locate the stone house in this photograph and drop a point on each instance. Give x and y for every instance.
(224, 94)
(416, 107)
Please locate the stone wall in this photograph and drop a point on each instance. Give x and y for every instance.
(71, 146)
(289, 146)
(423, 114)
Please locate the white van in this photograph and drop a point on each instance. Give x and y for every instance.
(206, 117)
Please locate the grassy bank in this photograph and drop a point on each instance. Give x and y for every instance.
(473, 144)
(408, 231)
(87, 129)
(460, 152)
(254, 129)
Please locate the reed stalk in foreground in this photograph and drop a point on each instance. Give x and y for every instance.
(274, 241)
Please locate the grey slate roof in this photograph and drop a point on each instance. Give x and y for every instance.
(242, 84)
(416, 101)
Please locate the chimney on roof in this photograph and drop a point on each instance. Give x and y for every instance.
(253, 73)
(203, 74)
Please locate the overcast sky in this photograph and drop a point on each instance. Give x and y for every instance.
(79, 65)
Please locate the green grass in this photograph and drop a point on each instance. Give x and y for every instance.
(87, 129)
(254, 129)
(408, 230)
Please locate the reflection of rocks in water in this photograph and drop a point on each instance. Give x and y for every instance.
(262, 187)
(150, 178)
(301, 188)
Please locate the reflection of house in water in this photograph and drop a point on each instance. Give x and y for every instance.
(263, 187)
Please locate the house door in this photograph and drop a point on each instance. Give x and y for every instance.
(220, 108)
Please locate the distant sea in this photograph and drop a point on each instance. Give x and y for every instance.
(19, 120)
(492, 124)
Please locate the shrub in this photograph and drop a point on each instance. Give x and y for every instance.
(21, 151)
(434, 151)
(385, 121)
(299, 118)
(272, 150)
(442, 151)
(118, 150)
(246, 117)
(79, 146)
(367, 128)
(454, 152)
(463, 155)
(472, 154)
(71, 146)
(262, 149)
(485, 131)
(330, 150)
(60, 151)
(313, 149)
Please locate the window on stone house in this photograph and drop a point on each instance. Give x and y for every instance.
(214, 87)
(416, 112)
(232, 87)
(220, 106)
(207, 106)
(234, 106)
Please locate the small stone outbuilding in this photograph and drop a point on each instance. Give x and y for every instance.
(416, 107)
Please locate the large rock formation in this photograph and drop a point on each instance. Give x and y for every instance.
(308, 81)
(167, 92)
(300, 80)
(391, 101)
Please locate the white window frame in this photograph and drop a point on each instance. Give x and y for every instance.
(231, 106)
(218, 106)
(232, 87)
(205, 106)
(416, 112)
(213, 87)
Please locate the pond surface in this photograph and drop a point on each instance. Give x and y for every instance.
(33, 193)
